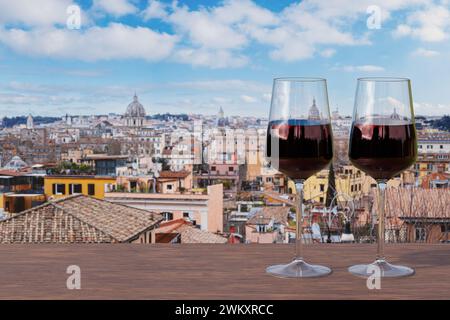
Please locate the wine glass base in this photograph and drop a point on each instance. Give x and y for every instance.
(298, 269)
(387, 270)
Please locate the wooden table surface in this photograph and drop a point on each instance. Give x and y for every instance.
(133, 271)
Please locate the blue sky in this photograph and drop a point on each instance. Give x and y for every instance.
(194, 56)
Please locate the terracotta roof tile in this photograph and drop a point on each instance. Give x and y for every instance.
(77, 219)
(173, 174)
(189, 233)
(279, 214)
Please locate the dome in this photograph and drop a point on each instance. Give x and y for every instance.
(135, 109)
(15, 163)
(314, 113)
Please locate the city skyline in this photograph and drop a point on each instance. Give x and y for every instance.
(199, 56)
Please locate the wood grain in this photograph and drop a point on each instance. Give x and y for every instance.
(132, 271)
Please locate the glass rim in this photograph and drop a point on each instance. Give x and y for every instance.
(300, 79)
(384, 79)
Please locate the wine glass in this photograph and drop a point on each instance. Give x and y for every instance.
(383, 143)
(299, 144)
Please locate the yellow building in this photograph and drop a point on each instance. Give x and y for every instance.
(63, 186)
(349, 180)
(430, 163)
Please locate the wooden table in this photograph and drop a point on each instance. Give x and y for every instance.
(133, 271)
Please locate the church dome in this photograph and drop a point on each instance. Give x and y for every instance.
(314, 113)
(135, 109)
(15, 163)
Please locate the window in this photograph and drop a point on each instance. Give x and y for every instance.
(321, 199)
(185, 214)
(230, 169)
(261, 228)
(441, 147)
(59, 188)
(421, 234)
(322, 187)
(213, 168)
(75, 188)
(91, 189)
(169, 187)
(167, 216)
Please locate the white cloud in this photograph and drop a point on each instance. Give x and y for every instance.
(327, 53)
(244, 11)
(361, 68)
(205, 31)
(34, 13)
(116, 41)
(155, 10)
(115, 8)
(431, 109)
(233, 85)
(248, 99)
(402, 30)
(209, 58)
(267, 96)
(214, 36)
(431, 24)
(421, 52)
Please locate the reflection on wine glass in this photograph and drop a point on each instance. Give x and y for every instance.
(299, 144)
(383, 144)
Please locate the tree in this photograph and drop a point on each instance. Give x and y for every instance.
(442, 123)
(331, 192)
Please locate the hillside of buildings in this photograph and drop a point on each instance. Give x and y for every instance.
(202, 179)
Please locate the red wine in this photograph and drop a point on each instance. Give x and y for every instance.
(383, 150)
(305, 146)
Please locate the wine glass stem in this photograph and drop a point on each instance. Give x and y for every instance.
(381, 219)
(299, 219)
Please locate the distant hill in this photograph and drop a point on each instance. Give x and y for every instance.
(11, 122)
(169, 116)
(442, 123)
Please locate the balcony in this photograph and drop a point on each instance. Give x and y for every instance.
(213, 272)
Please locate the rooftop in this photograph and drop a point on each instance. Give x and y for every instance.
(104, 157)
(189, 233)
(173, 174)
(80, 176)
(265, 214)
(77, 219)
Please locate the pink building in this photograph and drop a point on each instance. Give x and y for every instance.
(268, 225)
(202, 210)
(227, 174)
